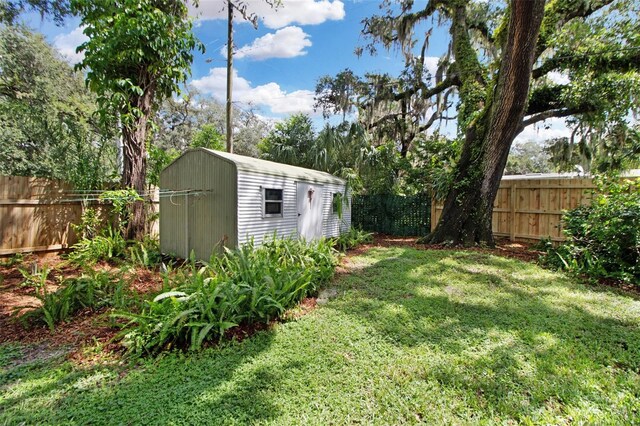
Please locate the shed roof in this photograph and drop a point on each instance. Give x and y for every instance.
(256, 165)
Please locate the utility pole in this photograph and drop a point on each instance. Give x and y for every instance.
(229, 77)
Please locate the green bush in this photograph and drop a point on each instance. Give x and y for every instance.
(145, 253)
(243, 286)
(351, 239)
(94, 289)
(107, 245)
(603, 239)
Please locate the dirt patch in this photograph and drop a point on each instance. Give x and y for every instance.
(505, 248)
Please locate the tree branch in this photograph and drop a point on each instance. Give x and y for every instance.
(562, 112)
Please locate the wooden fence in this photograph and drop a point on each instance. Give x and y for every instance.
(36, 214)
(530, 207)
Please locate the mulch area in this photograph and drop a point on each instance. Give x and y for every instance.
(86, 326)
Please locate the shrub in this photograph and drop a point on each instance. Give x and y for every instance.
(109, 244)
(351, 239)
(243, 286)
(94, 289)
(603, 239)
(145, 253)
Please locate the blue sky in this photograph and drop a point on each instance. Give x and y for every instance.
(277, 65)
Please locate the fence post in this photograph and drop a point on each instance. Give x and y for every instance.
(512, 211)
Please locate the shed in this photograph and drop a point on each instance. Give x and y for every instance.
(210, 199)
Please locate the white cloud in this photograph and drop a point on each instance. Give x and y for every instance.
(287, 42)
(548, 129)
(67, 44)
(270, 95)
(303, 12)
(431, 63)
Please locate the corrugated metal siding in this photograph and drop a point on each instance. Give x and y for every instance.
(209, 217)
(250, 220)
(332, 225)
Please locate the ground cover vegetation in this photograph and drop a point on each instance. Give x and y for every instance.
(409, 336)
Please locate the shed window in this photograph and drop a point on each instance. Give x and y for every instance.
(272, 202)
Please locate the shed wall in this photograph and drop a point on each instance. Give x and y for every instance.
(251, 222)
(332, 224)
(206, 217)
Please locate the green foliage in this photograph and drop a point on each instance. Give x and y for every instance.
(432, 163)
(208, 137)
(351, 239)
(159, 158)
(108, 245)
(135, 49)
(47, 127)
(290, 142)
(145, 253)
(603, 239)
(528, 157)
(243, 286)
(11, 10)
(178, 120)
(94, 289)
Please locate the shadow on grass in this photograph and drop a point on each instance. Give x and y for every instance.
(185, 389)
(516, 339)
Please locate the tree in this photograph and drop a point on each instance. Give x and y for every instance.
(179, 119)
(47, 127)
(500, 63)
(138, 53)
(208, 137)
(290, 142)
(11, 9)
(528, 157)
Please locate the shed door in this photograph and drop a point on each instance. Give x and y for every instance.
(309, 199)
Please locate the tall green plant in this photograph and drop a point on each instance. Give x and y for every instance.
(603, 239)
(243, 286)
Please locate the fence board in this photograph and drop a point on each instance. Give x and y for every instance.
(36, 215)
(531, 208)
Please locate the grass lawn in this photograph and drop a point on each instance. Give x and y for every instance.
(411, 336)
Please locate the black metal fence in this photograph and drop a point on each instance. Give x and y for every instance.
(392, 214)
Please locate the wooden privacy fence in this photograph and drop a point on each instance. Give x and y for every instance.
(391, 214)
(36, 214)
(530, 207)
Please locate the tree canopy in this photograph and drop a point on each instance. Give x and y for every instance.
(47, 123)
(507, 66)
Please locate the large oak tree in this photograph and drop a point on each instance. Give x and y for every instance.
(508, 67)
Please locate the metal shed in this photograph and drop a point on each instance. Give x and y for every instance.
(214, 199)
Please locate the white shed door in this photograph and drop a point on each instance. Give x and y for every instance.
(309, 198)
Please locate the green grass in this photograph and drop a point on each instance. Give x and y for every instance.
(411, 337)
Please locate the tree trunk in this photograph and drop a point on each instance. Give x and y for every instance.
(135, 161)
(468, 208)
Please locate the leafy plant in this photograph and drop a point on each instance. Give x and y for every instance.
(108, 245)
(145, 253)
(94, 289)
(351, 239)
(603, 239)
(245, 285)
(37, 277)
